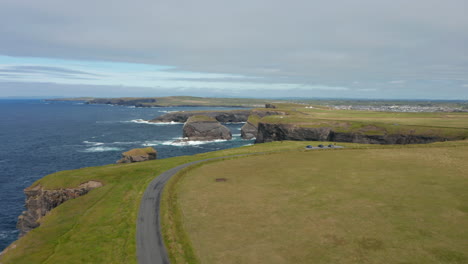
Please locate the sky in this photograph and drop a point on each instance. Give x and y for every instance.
(369, 49)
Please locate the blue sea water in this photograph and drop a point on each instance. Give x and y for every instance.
(38, 138)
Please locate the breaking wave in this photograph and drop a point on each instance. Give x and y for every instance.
(101, 149)
(141, 121)
(180, 142)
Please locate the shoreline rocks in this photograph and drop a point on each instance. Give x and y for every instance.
(138, 155)
(40, 201)
(202, 128)
(278, 132)
(231, 116)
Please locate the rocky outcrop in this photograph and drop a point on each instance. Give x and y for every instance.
(262, 112)
(232, 116)
(248, 131)
(277, 132)
(138, 155)
(40, 201)
(205, 128)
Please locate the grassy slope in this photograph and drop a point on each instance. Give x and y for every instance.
(100, 226)
(393, 205)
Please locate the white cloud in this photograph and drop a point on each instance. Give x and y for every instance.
(41, 70)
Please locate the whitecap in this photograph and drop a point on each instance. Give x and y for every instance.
(101, 149)
(180, 142)
(236, 135)
(125, 143)
(141, 121)
(193, 142)
(93, 143)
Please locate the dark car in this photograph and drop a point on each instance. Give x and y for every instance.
(320, 146)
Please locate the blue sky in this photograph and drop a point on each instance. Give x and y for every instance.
(343, 49)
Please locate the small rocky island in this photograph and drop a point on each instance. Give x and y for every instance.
(201, 127)
(138, 155)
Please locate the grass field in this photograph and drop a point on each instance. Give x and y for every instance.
(453, 120)
(361, 204)
(390, 205)
(100, 227)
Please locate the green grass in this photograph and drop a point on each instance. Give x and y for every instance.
(381, 205)
(189, 101)
(201, 118)
(139, 151)
(100, 227)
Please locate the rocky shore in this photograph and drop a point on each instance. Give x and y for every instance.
(230, 116)
(205, 128)
(40, 201)
(278, 132)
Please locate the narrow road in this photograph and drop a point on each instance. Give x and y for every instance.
(150, 244)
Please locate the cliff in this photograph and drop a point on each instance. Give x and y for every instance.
(276, 132)
(249, 130)
(221, 116)
(40, 201)
(205, 128)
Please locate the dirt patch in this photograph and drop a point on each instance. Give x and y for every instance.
(221, 179)
(370, 243)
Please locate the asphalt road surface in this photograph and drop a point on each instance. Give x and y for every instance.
(150, 244)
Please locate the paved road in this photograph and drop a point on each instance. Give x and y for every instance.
(150, 244)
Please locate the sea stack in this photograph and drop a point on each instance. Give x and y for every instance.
(201, 127)
(138, 155)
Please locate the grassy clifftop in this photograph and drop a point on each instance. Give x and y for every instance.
(182, 101)
(308, 194)
(449, 125)
(392, 205)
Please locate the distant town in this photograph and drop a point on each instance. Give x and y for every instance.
(400, 108)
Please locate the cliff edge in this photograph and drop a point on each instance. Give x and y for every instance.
(40, 201)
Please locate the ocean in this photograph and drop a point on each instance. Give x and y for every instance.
(39, 138)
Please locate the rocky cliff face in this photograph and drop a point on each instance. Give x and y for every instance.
(206, 128)
(138, 155)
(248, 131)
(220, 116)
(40, 201)
(278, 132)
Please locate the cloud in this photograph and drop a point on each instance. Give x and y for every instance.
(41, 70)
(330, 43)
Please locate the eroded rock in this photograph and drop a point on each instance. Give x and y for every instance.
(138, 155)
(205, 128)
(40, 201)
